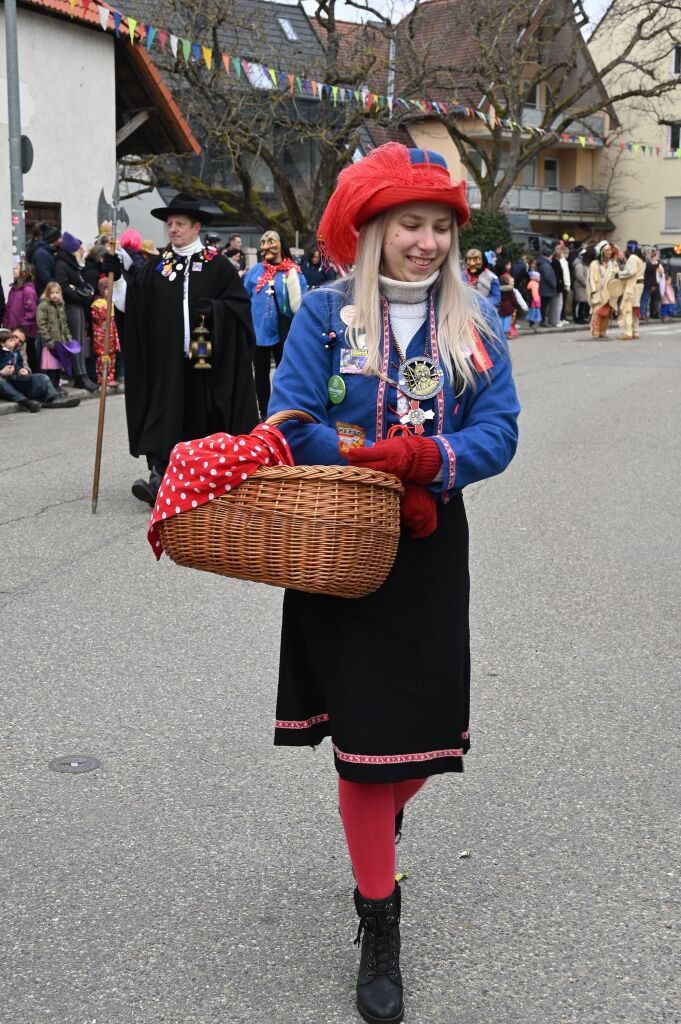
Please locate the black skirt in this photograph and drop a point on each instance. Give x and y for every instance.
(387, 676)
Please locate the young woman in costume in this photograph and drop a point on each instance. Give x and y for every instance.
(404, 362)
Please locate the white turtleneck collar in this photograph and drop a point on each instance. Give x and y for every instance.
(408, 305)
(188, 250)
(406, 292)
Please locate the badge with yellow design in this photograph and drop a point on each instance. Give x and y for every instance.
(349, 436)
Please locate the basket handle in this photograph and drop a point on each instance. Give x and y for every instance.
(289, 414)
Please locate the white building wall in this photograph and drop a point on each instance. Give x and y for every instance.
(139, 213)
(68, 110)
(639, 184)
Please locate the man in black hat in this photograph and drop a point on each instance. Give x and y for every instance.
(213, 240)
(168, 399)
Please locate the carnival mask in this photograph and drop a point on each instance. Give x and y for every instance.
(270, 247)
(474, 261)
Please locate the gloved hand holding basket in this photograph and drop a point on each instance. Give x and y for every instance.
(238, 506)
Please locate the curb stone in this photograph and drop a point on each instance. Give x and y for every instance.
(8, 408)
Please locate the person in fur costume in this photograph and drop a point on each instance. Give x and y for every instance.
(631, 276)
(601, 273)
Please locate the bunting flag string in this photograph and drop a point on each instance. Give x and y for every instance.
(262, 76)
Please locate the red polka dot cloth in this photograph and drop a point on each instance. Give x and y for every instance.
(200, 471)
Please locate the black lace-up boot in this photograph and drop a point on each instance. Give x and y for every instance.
(379, 982)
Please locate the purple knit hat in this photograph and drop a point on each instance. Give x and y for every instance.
(70, 243)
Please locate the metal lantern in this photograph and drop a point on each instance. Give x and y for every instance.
(200, 347)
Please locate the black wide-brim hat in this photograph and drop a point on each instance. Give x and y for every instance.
(185, 204)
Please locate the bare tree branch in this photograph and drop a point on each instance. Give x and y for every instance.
(273, 157)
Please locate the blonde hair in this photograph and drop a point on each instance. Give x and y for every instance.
(459, 314)
(50, 286)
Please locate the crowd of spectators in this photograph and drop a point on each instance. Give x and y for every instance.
(556, 284)
(57, 300)
(57, 303)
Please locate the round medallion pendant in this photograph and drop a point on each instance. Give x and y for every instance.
(421, 378)
(416, 417)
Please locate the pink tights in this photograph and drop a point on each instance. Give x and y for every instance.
(368, 811)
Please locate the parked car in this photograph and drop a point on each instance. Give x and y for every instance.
(536, 244)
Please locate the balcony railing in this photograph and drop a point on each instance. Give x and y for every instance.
(594, 124)
(550, 201)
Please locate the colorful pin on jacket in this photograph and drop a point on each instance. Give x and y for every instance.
(476, 430)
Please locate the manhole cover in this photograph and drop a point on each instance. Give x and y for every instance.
(74, 764)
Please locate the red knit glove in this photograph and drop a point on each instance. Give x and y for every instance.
(413, 459)
(418, 511)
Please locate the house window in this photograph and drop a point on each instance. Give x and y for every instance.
(288, 29)
(528, 174)
(550, 173)
(35, 212)
(675, 136)
(475, 160)
(677, 59)
(501, 165)
(672, 213)
(531, 98)
(257, 75)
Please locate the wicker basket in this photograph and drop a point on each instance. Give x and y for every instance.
(323, 529)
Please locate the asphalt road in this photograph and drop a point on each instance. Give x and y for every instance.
(199, 876)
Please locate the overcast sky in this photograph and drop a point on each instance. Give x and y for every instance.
(594, 8)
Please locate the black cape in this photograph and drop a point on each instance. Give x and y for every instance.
(166, 399)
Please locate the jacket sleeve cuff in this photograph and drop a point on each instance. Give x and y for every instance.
(446, 480)
(118, 294)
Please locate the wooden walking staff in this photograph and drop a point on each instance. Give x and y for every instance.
(106, 358)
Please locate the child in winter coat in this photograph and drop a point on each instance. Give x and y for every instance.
(54, 333)
(98, 315)
(22, 305)
(667, 299)
(534, 315)
(509, 304)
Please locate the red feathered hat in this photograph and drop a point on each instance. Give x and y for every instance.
(386, 177)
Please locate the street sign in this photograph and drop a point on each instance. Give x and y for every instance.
(26, 154)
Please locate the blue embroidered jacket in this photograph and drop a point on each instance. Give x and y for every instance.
(476, 431)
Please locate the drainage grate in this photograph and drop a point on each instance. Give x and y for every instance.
(74, 764)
